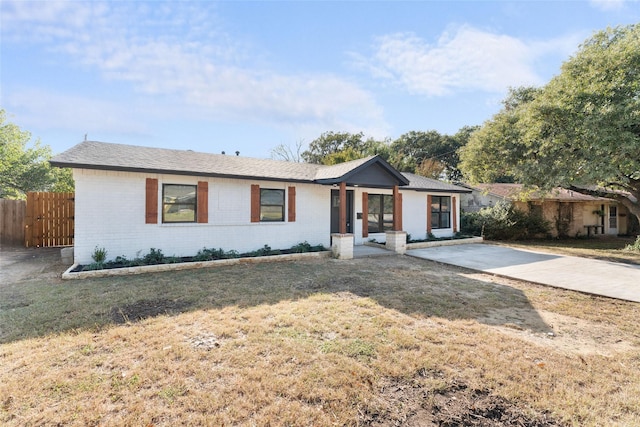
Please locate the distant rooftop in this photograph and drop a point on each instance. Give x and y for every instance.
(518, 192)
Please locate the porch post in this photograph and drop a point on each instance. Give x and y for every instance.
(396, 240)
(454, 214)
(343, 208)
(428, 214)
(397, 209)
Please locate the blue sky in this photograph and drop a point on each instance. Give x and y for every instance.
(250, 75)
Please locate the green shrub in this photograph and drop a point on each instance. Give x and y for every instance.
(99, 255)
(635, 246)
(155, 256)
(504, 222)
(94, 266)
(301, 247)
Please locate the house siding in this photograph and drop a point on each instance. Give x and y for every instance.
(110, 213)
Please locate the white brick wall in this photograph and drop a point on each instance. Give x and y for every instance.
(110, 213)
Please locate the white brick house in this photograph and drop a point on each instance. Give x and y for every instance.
(130, 199)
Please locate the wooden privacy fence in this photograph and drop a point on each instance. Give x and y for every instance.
(12, 214)
(49, 219)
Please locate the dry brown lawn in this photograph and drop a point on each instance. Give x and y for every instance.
(379, 341)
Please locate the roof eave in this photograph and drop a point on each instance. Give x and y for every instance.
(437, 190)
(176, 172)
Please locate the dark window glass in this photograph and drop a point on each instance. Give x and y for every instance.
(179, 203)
(380, 215)
(440, 212)
(271, 205)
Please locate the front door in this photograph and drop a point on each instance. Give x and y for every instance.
(335, 211)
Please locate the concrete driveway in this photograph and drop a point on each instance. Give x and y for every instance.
(610, 279)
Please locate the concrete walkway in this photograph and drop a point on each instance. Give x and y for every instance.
(610, 279)
(366, 251)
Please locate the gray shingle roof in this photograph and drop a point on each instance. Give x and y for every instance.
(421, 183)
(108, 156)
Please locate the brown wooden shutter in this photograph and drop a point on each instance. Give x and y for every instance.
(151, 201)
(292, 204)
(255, 203)
(365, 214)
(203, 202)
(454, 212)
(429, 213)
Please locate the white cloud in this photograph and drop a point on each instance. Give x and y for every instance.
(462, 59)
(179, 54)
(608, 5)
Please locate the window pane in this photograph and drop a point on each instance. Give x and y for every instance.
(388, 205)
(179, 213)
(374, 214)
(380, 215)
(444, 220)
(374, 223)
(271, 197)
(388, 222)
(271, 213)
(435, 204)
(271, 205)
(445, 204)
(435, 221)
(179, 194)
(178, 203)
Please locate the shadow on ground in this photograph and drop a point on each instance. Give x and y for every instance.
(38, 302)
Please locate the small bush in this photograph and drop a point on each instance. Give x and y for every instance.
(99, 255)
(301, 247)
(503, 222)
(635, 246)
(154, 256)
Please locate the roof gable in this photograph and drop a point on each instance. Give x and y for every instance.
(371, 171)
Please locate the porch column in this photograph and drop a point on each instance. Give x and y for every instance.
(428, 214)
(397, 209)
(396, 240)
(343, 208)
(454, 214)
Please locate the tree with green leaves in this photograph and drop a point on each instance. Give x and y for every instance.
(425, 152)
(24, 168)
(337, 147)
(580, 130)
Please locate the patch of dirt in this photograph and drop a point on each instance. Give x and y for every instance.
(568, 334)
(19, 264)
(451, 406)
(143, 309)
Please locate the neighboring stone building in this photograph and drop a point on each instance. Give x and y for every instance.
(569, 212)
